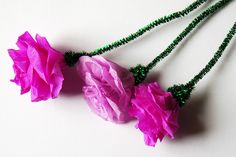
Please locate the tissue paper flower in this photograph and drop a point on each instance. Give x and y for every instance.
(108, 88)
(37, 67)
(157, 112)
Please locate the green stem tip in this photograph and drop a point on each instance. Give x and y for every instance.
(71, 58)
(139, 72)
(181, 93)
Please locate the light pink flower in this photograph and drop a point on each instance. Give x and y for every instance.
(108, 87)
(157, 112)
(37, 67)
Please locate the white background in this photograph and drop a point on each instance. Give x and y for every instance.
(65, 127)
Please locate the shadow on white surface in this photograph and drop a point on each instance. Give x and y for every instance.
(154, 76)
(72, 85)
(192, 115)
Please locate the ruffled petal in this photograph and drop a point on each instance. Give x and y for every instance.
(156, 112)
(37, 67)
(108, 87)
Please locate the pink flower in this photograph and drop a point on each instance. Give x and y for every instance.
(157, 112)
(37, 67)
(108, 87)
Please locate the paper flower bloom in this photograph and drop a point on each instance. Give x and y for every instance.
(108, 88)
(37, 67)
(156, 111)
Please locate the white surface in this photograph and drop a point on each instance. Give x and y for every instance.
(65, 127)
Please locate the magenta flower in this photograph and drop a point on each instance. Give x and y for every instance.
(108, 88)
(37, 67)
(157, 112)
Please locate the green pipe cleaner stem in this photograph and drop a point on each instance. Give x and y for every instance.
(182, 92)
(140, 72)
(149, 27)
(71, 57)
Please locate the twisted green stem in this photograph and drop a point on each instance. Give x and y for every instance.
(71, 57)
(182, 92)
(216, 57)
(141, 71)
(186, 31)
(148, 27)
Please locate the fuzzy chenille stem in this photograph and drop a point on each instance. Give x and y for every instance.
(72, 57)
(182, 92)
